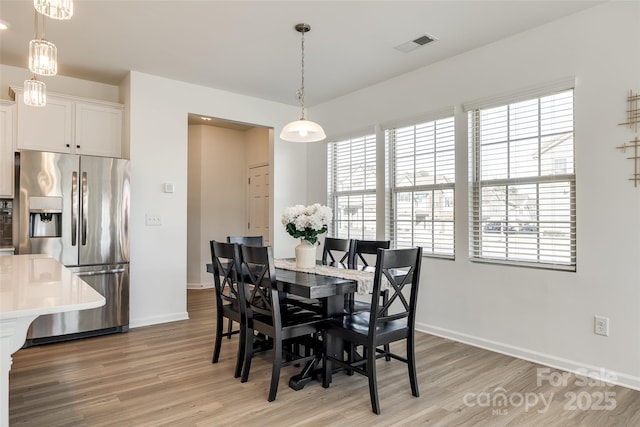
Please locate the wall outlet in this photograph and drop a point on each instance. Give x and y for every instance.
(152, 220)
(601, 325)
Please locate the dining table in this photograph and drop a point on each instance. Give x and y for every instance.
(327, 284)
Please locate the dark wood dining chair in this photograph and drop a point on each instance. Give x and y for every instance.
(337, 252)
(380, 326)
(364, 252)
(246, 240)
(225, 258)
(266, 312)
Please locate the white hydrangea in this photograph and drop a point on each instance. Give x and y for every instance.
(307, 222)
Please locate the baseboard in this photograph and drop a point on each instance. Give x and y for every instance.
(155, 320)
(619, 378)
(199, 285)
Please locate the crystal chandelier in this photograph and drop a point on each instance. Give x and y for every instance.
(302, 130)
(35, 93)
(55, 9)
(43, 55)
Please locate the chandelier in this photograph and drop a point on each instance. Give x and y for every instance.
(302, 130)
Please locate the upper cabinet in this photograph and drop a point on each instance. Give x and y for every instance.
(7, 115)
(70, 125)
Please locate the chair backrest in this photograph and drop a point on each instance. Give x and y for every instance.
(226, 260)
(261, 290)
(366, 247)
(246, 240)
(399, 271)
(337, 252)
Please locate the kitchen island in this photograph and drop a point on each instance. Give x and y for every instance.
(30, 286)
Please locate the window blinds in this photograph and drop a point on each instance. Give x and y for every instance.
(522, 196)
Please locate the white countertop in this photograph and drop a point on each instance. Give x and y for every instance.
(38, 284)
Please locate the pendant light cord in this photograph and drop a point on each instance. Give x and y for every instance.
(301, 91)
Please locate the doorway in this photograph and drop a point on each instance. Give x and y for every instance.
(220, 159)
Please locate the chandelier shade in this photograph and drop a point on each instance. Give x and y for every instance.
(43, 57)
(35, 93)
(302, 130)
(55, 9)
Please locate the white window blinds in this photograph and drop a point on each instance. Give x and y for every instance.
(352, 187)
(522, 194)
(422, 186)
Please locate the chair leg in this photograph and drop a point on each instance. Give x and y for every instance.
(411, 362)
(218, 342)
(326, 363)
(387, 349)
(275, 369)
(229, 329)
(241, 351)
(370, 354)
(248, 354)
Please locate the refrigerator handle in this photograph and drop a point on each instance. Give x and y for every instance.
(84, 204)
(74, 208)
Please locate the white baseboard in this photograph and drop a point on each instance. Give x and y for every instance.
(199, 285)
(155, 320)
(625, 380)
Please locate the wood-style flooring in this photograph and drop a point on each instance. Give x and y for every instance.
(163, 376)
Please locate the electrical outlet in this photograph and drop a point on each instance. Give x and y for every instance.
(601, 325)
(152, 220)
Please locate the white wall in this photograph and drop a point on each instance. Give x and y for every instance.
(158, 110)
(535, 314)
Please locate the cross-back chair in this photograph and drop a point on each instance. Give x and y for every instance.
(399, 270)
(225, 258)
(267, 312)
(337, 252)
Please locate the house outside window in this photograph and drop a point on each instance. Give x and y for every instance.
(352, 187)
(522, 192)
(422, 185)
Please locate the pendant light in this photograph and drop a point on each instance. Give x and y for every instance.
(302, 130)
(35, 93)
(55, 9)
(43, 55)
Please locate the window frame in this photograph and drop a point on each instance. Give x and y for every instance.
(369, 140)
(393, 190)
(477, 183)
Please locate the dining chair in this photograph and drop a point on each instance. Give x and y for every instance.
(337, 252)
(400, 269)
(246, 240)
(266, 312)
(362, 252)
(225, 258)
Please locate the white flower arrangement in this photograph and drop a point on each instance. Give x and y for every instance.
(307, 222)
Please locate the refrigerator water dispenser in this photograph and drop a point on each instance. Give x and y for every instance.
(45, 216)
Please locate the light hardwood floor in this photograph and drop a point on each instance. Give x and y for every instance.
(163, 376)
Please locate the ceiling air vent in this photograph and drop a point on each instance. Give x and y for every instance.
(415, 43)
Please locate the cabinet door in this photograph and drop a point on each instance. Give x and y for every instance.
(45, 128)
(6, 150)
(98, 130)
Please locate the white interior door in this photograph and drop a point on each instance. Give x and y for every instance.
(259, 201)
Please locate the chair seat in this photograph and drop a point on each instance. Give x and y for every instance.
(291, 316)
(355, 328)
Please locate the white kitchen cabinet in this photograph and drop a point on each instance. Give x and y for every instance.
(69, 124)
(7, 115)
(98, 129)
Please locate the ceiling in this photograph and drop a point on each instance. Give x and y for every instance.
(251, 47)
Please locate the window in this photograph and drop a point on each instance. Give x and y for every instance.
(352, 187)
(523, 182)
(422, 185)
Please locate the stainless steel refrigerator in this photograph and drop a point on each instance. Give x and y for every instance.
(76, 209)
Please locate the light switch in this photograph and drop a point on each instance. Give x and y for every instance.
(168, 187)
(152, 220)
